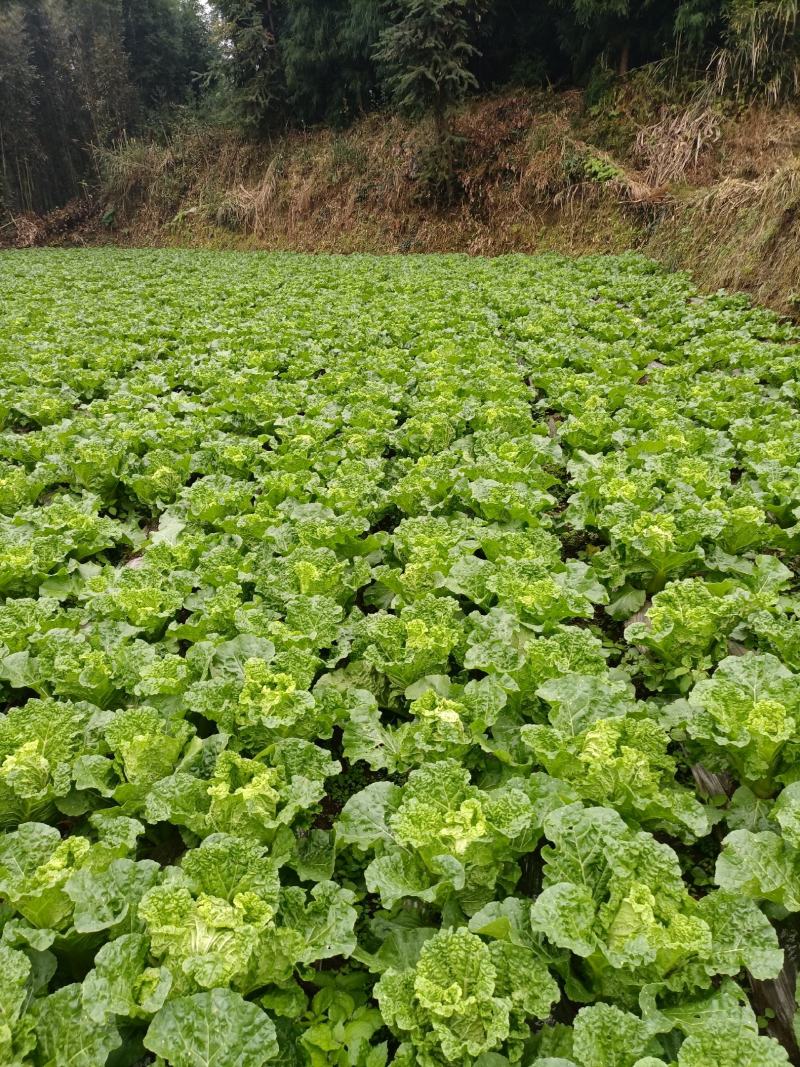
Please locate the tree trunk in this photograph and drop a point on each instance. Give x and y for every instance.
(624, 59)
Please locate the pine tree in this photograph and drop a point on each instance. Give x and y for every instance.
(426, 53)
(252, 33)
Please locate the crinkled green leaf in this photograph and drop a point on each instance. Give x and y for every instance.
(214, 1029)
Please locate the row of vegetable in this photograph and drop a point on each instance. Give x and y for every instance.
(401, 663)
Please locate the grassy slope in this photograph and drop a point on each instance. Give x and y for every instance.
(705, 187)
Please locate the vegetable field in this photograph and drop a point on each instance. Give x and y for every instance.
(400, 661)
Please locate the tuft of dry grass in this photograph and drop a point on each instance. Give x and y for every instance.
(670, 149)
(740, 234)
(248, 207)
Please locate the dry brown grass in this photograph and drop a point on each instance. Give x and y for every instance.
(759, 141)
(741, 234)
(713, 192)
(246, 207)
(670, 150)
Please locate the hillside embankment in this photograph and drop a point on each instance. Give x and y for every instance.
(699, 184)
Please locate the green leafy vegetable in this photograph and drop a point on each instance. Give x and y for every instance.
(383, 645)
